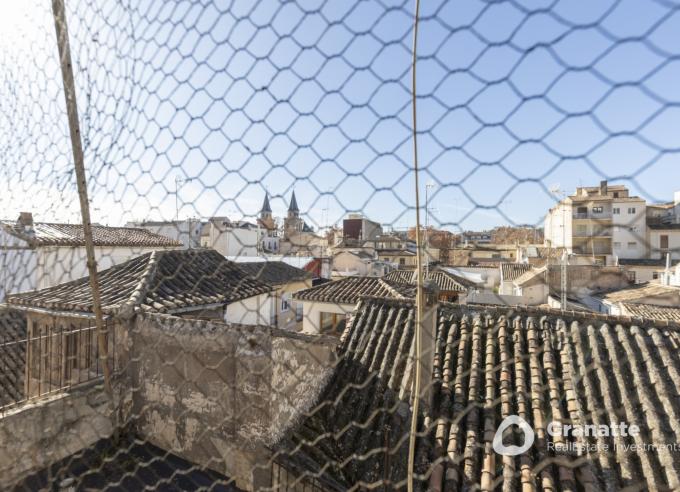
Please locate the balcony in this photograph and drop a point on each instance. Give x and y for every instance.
(592, 216)
(597, 232)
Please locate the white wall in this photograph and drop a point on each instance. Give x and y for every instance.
(629, 228)
(188, 232)
(234, 241)
(59, 264)
(256, 310)
(533, 294)
(654, 238)
(311, 322)
(558, 226)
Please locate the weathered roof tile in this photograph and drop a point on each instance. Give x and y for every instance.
(161, 281)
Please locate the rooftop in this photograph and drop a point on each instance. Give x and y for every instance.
(49, 234)
(445, 280)
(488, 364)
(274, 272)
(650, 311)
(512, 271)
(349, 290)
(640, 292)
(160, 281)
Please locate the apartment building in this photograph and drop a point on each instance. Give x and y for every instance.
(604, 222)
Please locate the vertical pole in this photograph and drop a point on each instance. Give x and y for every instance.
(419, 260)
(61, 28)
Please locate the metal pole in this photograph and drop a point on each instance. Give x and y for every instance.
(59, 13)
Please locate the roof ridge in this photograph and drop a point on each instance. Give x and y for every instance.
(389, 287)
(139, 292)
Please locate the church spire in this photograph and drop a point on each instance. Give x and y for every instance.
(293, 207)
(266, 209)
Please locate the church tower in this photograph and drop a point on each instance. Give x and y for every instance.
(293, 224)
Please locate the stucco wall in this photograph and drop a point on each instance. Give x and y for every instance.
(218, 394)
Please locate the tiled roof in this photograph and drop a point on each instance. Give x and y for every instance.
(274, 272)
(12, 355)
(641, 292)
(489, 364)
(46, 234)
(349, 290)
(511, 271)
(649, 311)
(445, 281)
(160, 281)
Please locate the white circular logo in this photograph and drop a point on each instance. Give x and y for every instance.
(513, 450)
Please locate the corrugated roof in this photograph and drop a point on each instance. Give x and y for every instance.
(48, 234)
(161, 281)
(489, 364)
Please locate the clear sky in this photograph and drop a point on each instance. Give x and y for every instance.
(224, 101)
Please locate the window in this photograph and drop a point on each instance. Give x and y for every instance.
(285, 304)
(655, 275)
(332, 323)
(616, 211)
(632, 245)
(616, 194)
(402, 261)
(298, 312)
(663, 240)
(631, 210)
(617, 245)
(597, 210)
(631, 275)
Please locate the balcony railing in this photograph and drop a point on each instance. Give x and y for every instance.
(592, 216)
(593, 232)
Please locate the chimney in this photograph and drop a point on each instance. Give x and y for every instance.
(603, 187)
(25, 219)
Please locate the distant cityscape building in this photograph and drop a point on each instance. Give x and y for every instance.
(604, 222)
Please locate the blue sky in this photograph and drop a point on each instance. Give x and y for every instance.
(239, 98)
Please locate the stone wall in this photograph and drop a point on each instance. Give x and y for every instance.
(218, 394)
(38, 434)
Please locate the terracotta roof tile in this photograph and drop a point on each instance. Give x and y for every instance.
(350, 289)
(274, 272)
(512, 271)
(161, 281)
(640, 292)
(650, 311)
(488, 364)
(47, 234)
(445, 281)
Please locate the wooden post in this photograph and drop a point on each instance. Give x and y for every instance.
(59, 13)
